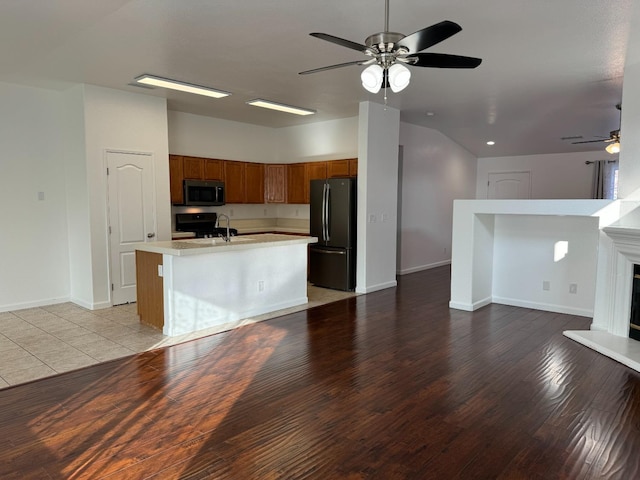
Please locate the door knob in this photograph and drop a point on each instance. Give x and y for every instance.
(151, 235)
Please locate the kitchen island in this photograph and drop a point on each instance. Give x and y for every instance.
(189, 285)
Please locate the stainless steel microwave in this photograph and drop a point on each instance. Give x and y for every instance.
(202, 193)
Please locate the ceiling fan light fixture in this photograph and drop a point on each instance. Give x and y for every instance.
(372, 78)
(399, 77)
(155, 81)
(613, 148)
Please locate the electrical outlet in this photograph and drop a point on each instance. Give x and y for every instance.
(573, 288)
(231, 212)
(546, 285)
(372, 218)
(261, 286)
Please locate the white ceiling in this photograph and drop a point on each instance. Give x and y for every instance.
(550, 68)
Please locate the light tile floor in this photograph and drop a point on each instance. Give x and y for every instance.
(39, 342)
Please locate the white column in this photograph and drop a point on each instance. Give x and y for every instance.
(378, 141)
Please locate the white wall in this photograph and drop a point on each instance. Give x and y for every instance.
(527, 252)
(34, 263)
(215, 138)
(330, 140)
(435, 171)
(129, 122)
(560, 175)
(629, 171)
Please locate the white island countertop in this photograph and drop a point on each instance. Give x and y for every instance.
(198, 246)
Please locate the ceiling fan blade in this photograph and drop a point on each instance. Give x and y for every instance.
(429, 36)
(331, 67)
(443, 60)
(592, 141)
(340, 41)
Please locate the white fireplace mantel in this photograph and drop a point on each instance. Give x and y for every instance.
(618, 252)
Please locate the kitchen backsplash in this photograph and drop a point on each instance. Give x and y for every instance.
(269, 212)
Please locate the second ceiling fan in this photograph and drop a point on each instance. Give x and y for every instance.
(389, 52)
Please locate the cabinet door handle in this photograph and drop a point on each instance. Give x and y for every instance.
(151, 235)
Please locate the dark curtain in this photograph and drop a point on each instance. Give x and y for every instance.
(598, 186)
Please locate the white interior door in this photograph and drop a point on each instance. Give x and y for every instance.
(509, 185)
(131, 218)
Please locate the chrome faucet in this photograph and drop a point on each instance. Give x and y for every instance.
(227, 238)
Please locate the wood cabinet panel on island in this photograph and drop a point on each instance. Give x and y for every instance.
(275, 180)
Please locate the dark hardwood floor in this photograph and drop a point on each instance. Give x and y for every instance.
(390, 385)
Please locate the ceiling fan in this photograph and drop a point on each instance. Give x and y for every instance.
(613, 140)
(391, 51)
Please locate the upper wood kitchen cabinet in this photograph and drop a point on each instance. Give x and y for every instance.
(275, 182)
(254, 182)
(193, 168)
(234, 181)
(213, 169)
(315, 171)
(176, 176)
(338, 168)
(353, 167)
(297, 183)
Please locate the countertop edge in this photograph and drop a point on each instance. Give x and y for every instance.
(266, 241)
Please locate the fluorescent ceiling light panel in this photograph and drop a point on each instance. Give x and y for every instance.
(181, 86)
(258, 102)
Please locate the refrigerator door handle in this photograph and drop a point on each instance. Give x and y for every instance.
(324, 212)
(328, 215)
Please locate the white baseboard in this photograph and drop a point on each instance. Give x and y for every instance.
(547, 307)
(36, 304)
(420, 268)
(375, 288)
(470, 307)
(91, 305)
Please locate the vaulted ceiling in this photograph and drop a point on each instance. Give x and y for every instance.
(549, 70)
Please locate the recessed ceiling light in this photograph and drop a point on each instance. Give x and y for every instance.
(281, 107)
(491, 142)
(181, 86)
(429, 114)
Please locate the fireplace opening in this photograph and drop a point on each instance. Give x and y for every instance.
(634, 324)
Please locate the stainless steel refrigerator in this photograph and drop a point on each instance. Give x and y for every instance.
(332, 261)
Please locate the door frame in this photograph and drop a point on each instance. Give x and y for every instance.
(507, 173)
(105, 166)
